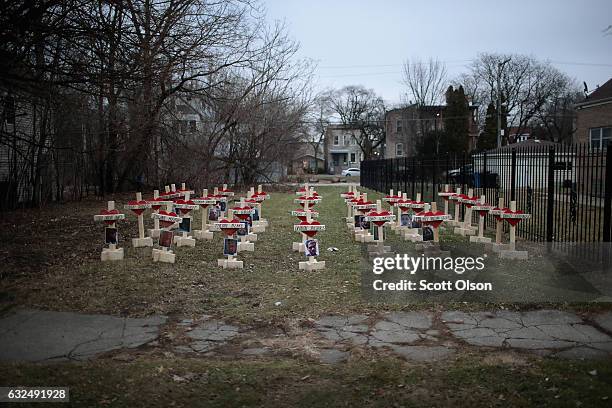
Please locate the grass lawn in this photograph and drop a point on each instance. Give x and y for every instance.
(475, 381)
(50, 260)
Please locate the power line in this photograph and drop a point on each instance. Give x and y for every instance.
(458, 62)
(389, 65)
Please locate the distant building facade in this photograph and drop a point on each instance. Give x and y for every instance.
(405, 127)
(341, 148)
(306, 160)
(517, 134)
(594, 118)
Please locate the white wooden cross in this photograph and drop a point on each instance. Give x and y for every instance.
(457, 208)
(155, 220)
(110, 216)
(139, 205)
(512, 227)
(467, 219)
(500, 223)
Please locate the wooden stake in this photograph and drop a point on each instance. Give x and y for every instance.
(467, 220)
(380, 241)
(140, 218)
(436, 232)
(399, 211)
(311, 259)
(481, 219)
(446, 199)
(205, 213)
(111, 206)
(156, 220)
(500, 223)
(512, 227)
(457, 207)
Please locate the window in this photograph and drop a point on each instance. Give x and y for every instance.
(600, 137)
(398, 126)
(353, 157)
(192, 126)
(336, 140)
(399, 149)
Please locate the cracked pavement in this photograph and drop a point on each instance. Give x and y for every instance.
(31, 335)
(546, 332)
(36, 335)
(409, 334)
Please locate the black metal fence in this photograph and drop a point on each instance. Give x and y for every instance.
(567, 189)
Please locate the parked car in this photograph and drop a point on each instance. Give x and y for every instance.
(465, 175)
(460, 175)
(351, 172)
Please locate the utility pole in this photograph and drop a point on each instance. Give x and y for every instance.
(500, 66)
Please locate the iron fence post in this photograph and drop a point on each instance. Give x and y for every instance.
(550, 233)
(608, 197)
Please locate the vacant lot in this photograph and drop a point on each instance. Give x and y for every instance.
(49, 260)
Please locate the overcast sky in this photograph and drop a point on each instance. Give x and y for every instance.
(365, 42)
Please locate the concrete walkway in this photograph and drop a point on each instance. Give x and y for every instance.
(28, 335)
(33, 335)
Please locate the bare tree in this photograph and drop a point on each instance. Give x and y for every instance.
(320, 117)
(426, 81)
(362, 112)
(527, 85)
(122, 66)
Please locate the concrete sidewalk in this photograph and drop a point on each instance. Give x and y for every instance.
(34, 335)
(30, 335)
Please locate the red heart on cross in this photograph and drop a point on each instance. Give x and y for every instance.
(309, 201)
(242, 216)
(417, 209)
(434, 223)
(403, 204)
(156, 207)
(469, 205)
(362, 202)
(375, 214)
(137, 211)
(229, 231)
(497, 216)
(513, 221)
(204, 198)
(184, 211)
(310, 233)
(166, 224)
(109, 212)
(301, 217)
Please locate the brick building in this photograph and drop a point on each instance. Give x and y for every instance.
(594, 118)
(405, 127)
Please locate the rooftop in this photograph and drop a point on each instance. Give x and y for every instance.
(601, 94)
